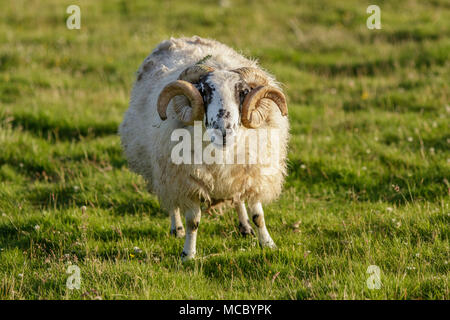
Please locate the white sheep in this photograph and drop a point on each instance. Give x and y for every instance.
(189, 79)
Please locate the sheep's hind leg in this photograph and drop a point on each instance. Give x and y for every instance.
(257, 214)
(192, 222)
(176, 226)
(244, 223)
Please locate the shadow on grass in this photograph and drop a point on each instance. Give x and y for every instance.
(402, 35)
(438, 142)
(48, 168)
(59, 241)
(260, 264)
(424, 184)
(422, 58)
(30, 168)
(359, 105)
(120, 203)
(43, 126)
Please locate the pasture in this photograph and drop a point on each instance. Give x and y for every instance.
(369, 160)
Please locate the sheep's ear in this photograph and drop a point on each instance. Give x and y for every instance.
(258, 103)
(182, 109)
(184, 89)
(258, 116)
(194, 73)
(253, 76)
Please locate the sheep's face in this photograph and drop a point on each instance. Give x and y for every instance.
(223, 93)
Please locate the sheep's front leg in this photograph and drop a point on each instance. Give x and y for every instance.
(257, 214)
(244, 224)
(192, 222)
(176, 226)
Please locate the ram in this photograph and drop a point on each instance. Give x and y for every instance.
(189, 81)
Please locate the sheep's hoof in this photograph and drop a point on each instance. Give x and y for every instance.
(187, 257)
(246, 230)
(268, 244)
(178, 232)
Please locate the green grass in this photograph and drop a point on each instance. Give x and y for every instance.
(368, 163)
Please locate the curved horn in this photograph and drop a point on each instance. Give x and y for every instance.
(182, 90)
(258, 103)
(188, 114)
(195, 72)
(253, 76)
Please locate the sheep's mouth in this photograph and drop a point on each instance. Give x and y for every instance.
(221, 145)
(223, 142)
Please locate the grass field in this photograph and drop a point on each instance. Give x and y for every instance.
(369, 154)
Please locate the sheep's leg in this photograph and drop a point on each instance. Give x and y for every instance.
(244, 223)
(257, 214)
(192, 222)
(176, 226)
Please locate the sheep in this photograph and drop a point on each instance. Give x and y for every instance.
(189, 81)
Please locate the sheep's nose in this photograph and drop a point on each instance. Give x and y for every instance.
(222, 131)
(228, 135)
(224, 137)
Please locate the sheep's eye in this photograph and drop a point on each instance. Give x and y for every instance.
(206, 92)
(242, 94)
